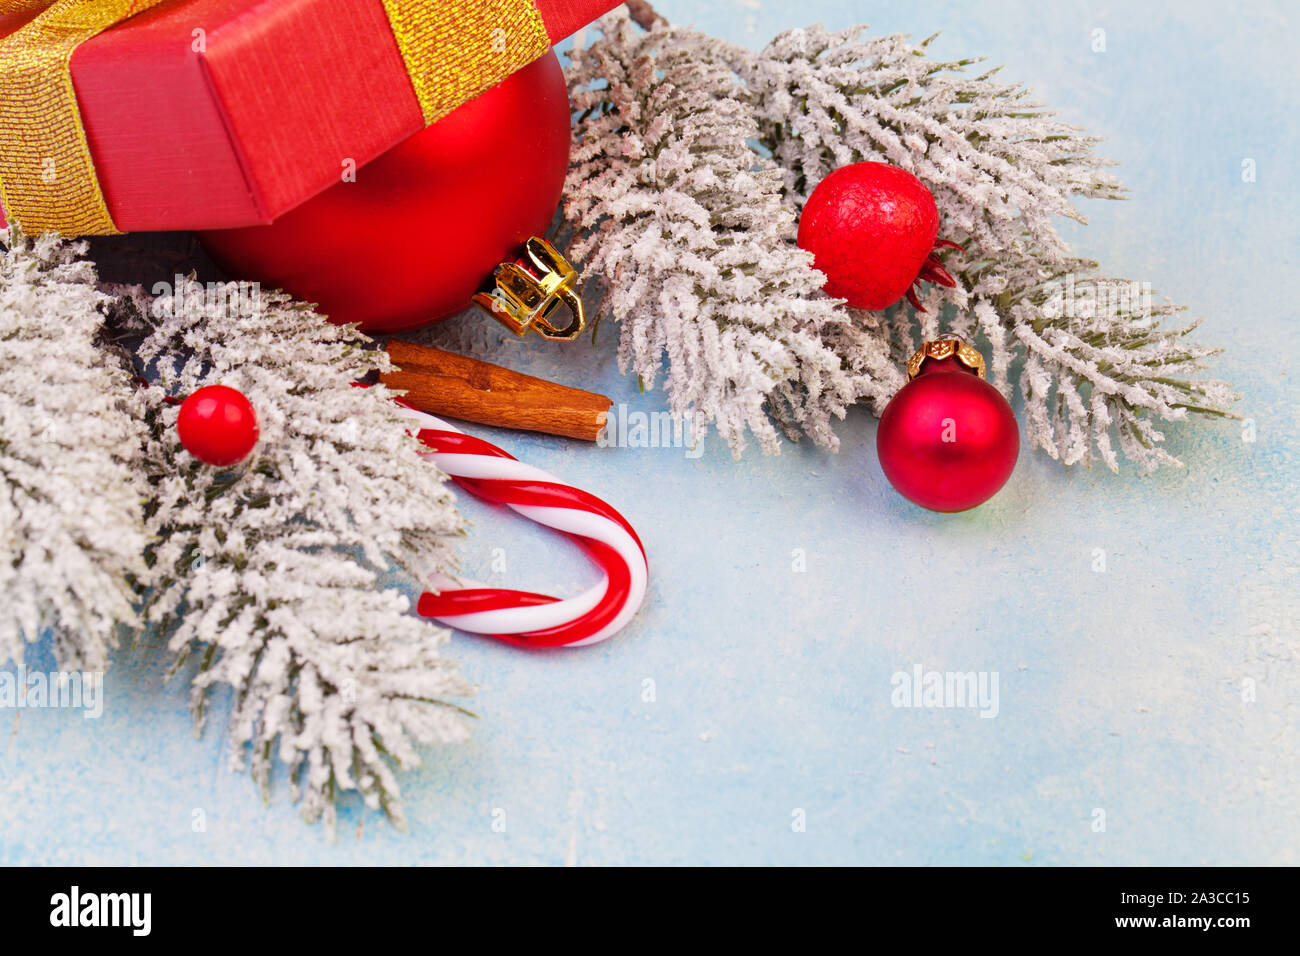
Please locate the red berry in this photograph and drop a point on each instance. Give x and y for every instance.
(217, 425)
(871, 228)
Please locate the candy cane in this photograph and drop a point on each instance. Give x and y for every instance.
(523, 617)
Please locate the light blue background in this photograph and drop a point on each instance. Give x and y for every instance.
(1119, 691)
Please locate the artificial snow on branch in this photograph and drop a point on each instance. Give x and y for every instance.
(71, 523)
(268, 576)
(681, 216)
(688, 229)
(1096, 358)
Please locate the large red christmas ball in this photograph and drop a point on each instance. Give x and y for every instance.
(423, 226)
(217, 425)
(871, 228)
(948, 441)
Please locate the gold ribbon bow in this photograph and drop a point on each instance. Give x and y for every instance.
(453, 50)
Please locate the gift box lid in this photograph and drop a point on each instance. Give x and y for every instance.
(203, 114)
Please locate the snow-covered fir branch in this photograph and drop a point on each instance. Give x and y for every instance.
(71, 519)
(688, 230)
(269, 575)
(1097, 359)
(662, 178)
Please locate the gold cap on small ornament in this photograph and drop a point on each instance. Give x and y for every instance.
(523, 299)
(946, 348)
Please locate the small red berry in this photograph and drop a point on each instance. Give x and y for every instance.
(217, 425)
(871, 228)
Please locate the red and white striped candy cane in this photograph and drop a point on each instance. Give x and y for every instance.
(523, 617)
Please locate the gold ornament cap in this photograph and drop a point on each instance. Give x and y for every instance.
(953, 348)
(525, 299)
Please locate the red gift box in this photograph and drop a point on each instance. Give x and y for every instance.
(257, 117)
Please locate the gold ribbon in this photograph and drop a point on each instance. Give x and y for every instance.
(47, 176)
(453, 50)
(456, 49)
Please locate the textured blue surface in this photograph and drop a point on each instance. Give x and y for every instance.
(1120, 691)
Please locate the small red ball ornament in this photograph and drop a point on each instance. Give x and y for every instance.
(423, 226)
(948, 441)
(217, 425)
(872, 229)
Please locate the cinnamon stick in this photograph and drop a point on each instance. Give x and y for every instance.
(443, 383)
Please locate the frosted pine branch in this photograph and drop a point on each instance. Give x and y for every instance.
(269, 574)
(688, 227)
(71, 515)
(662, 145)
(1000, 167)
